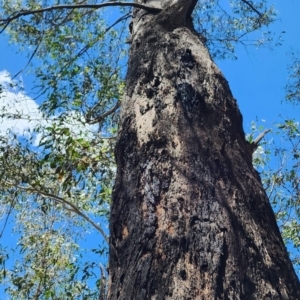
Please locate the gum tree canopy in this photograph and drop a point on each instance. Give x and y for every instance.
(189, 217)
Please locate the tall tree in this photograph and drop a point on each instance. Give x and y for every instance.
(189, 218)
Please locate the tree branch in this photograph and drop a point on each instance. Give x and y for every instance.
(104, 115)
(7, 217)
(30, 59)
(21, 13)
(86, 47)
(254, 145)
(260, 137)
(252, 7)
(74, 209)
(63, 201)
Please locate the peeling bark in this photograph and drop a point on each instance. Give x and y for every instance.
(189, 217)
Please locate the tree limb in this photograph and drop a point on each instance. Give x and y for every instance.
(63, 201)
(23, 12)
(86, 47)
(104, 115)
(252, 7)
(260, 137)
(30, 59)
(7, 217)
(254, 145)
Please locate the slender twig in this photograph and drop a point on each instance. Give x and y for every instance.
(78, 212)
(118, 21)
(38, 290)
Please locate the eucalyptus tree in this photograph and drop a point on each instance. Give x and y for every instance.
(189, 216)
(293, 86)
(277, 160)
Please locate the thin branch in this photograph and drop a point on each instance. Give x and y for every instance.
(254, 144)
(74, 209)
(22, 12)
(260, 137)
(107, 113)
(118, 21)
(38, 290)
(87, 47)
(252, 7)
(63, 201)
(30, 59)
(7, 217)
(77, 211)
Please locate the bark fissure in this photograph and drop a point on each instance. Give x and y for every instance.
(189, 217)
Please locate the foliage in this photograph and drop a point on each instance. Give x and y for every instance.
(56, 177)
(59, 173)
(278, 162)
(53, 178)
(226, 24)
(293, 86)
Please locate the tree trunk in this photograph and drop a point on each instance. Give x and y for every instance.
(189, 217)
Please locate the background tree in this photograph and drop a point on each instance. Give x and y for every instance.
(89, 87)
(277, 161)
(293, 86)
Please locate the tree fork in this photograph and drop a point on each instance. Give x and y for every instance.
(189, 217)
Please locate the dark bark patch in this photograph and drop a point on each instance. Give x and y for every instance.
(183, 274)
(187, 59)
(126, 145)
(144, 109)
(156, 82)
(122, 278)
(159, 105)
(221, 271)
(194, 220)
(152, 39)
(152, 89)
(150, 92)
(189, 99)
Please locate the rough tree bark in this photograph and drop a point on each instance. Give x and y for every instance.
(189, 217)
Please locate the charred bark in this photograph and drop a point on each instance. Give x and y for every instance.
(189, 217)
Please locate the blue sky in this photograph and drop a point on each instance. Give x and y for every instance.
(257, 78)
